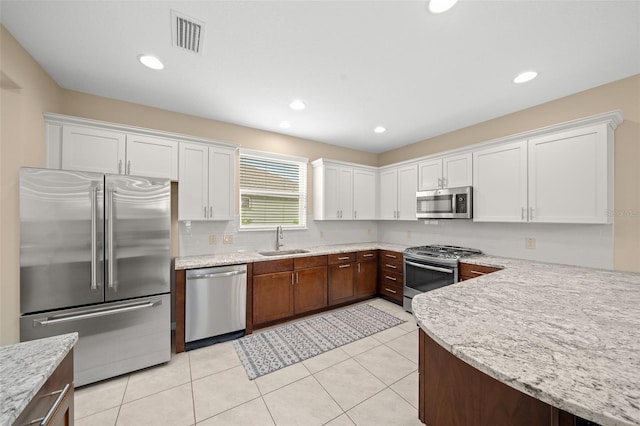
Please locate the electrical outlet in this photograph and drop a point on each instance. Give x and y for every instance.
(530, 243)
(227, 239)
(212, 239)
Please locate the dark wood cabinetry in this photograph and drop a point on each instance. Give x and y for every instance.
(366, 273)
(287, 287)
(53, 404)
(341, 277)
(466, 271)
(452, 392)
(390, 276)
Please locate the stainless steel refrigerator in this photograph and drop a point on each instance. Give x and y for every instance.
(95, 259)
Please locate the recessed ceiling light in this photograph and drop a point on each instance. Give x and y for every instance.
(285, 124)
(523, 77)
(151, 62)
(439, 6)
(297, 105)
(380, 129)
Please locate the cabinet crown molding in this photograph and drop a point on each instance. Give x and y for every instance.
(61, 119)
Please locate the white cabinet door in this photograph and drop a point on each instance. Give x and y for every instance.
(568, 180)
(388, 199)
(326, 201)
(92, 150)
(345, 192)
(221, 185)
(500, 183)
(430, 173)
(407, 187)
(457, 170)
(365, 193)
(193, 186)
(152, 157)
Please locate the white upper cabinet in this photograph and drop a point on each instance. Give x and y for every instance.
(343, 192)
(500, 183)
(205, 189)
(152, 157)
(562, 177)
(93, 150)
(569, 176)
(398, 187)
(87, 145)
(445, 172)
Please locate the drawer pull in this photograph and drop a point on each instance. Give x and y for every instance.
(47, 417)
(344, 266)
(390, 278)
(344, 258)
(390, 291)
(368, 255)
(478, 273)
(392, 256)
(391, 266)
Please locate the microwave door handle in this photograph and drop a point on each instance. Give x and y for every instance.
(453, 203)
(433, 268)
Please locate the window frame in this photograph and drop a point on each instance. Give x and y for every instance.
(302, 192)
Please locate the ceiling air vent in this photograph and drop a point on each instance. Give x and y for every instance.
(187, 33)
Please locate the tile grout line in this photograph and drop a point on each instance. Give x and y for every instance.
(193, 396)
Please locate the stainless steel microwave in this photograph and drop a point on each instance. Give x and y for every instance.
(448, 203)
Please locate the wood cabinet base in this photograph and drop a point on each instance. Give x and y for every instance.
(451, 392)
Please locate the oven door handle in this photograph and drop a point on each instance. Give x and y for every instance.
(433, 268)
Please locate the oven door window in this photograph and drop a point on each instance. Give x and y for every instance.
(422, 278)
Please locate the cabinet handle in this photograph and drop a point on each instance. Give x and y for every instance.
(390, 278)
(392, 256)
(389, 290)
(391, 266)
(358, 268)
(210, 211)
(477, 273)
(394, 214)
(47, 417)
(530, 213)
(338, 214)
(129, 167)
(292, 278)
(297, 278)
(523, 213)
(355, 214)
(368, 255)
(398, 217)
(344, 266)
(444, 182)
(439, 182)
(344, 258)
(205, 212)
(119, 167)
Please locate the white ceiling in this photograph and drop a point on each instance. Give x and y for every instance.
(356, 64)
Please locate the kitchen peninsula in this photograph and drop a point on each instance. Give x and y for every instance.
(566, 336)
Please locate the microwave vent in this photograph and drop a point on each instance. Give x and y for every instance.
(187, 33)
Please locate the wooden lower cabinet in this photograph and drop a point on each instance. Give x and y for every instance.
(55, 398)
(390, 275)
(366, 274)
(310, 289)
(466, 271)
(272, 297)
(341, 278)
(452, 392)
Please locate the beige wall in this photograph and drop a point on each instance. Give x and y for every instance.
(27, 91)
(623, 95)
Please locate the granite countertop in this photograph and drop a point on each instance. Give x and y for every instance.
(566, 335)
(25, 367)
(233, 258)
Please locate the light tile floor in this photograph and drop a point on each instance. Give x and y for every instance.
(373, 381)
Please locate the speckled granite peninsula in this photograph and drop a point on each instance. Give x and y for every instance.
(568, 336)
(25, 367)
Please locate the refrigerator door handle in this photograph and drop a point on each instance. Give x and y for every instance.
(111, 272)
(94, 238)
(93, 313)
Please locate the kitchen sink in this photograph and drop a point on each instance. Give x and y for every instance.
(282, 252)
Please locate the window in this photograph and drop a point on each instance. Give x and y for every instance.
(273, 190)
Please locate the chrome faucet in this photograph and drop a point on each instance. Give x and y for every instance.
(279, 237)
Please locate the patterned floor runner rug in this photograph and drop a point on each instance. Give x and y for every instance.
(264, 352)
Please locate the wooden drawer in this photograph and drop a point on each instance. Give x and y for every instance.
(391, 265)
(390, 278)
(272, 266)
(335, 259)
(367, 255)
(390, 256)
(391, 290)
(309, 262)
(467, 271)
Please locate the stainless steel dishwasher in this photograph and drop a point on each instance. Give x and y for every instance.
(215, 305)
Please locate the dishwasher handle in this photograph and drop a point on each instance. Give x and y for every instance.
(217, 275)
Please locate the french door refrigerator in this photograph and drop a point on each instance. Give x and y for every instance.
(95, 259)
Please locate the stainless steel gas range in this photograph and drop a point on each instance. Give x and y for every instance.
(429, 267)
